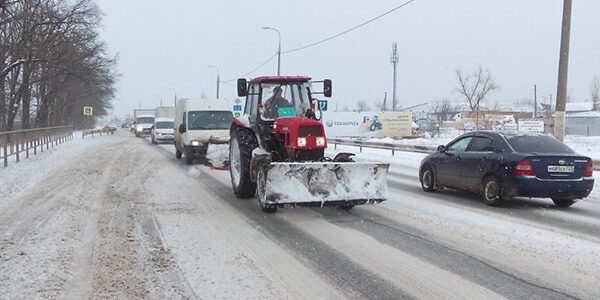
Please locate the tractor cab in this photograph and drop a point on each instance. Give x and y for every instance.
(281, 110)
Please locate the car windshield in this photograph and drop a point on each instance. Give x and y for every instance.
(538, 144)
(205, 120)
(164, 125)
(284, 100)
(145, 120)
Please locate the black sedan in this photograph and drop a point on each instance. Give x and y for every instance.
(502, 165)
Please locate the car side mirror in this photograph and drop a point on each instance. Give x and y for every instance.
(242, 87)
(181, 128)
(327, 88)
(441, 149)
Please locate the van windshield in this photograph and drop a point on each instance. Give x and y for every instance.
(145, 120)
(206, 120)
(164, 125)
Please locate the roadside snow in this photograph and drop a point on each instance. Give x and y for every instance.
(18, 177)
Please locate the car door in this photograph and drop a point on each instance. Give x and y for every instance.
(448, 164)
(477, 161)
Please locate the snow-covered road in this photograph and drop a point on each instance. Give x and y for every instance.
(118, 217)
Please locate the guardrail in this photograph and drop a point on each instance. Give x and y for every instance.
(91, 132)
(13, 143)
(385, 146)
(397, 147)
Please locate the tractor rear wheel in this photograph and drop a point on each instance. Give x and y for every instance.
(240, 153)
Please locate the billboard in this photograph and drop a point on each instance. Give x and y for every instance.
(367, 124)
(531, 126)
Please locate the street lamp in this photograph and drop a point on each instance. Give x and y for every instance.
(218, 80)
(278, 48)
(174, 97)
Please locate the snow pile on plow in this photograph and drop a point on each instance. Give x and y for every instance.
(217, 155)
(303, 183)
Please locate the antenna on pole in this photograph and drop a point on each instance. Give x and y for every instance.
(394, 60)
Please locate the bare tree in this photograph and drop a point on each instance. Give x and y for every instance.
(475, 87)
(381, 105)
(362, 106)
(444, 109)
(595, 93)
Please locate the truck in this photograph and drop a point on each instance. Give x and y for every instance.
(199, 124)
(277, 150)
(164, 112)
(143, 121)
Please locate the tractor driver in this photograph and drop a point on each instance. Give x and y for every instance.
(274, 102)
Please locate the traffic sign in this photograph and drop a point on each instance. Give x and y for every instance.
(237, 107)
(88, 110)
(322, 105)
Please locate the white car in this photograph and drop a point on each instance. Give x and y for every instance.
(143, 125)
(163, 131)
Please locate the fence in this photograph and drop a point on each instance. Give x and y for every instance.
(91, 132)
(13, 143)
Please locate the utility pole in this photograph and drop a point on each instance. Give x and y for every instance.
(384, 102)
(174, 96)
(535, 101)
(394, 60)
(218, 78)
(563, 71)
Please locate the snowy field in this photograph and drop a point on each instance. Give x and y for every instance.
(118, 217)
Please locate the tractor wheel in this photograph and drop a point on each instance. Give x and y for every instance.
(261, 186)
(241, 144)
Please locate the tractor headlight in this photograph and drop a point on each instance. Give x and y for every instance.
(320, 141)
(301, 142)
(195, 143)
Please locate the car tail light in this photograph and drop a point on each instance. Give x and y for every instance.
(589, 169)
(524, 168)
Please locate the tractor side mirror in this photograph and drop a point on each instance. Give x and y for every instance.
(181, 128)
(242, 87)
(327, 88)
(441, 149)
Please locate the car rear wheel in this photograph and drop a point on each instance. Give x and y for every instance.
(563, 202)
(492, 191)
(427, 180)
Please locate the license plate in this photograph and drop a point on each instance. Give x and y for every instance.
(561, 169)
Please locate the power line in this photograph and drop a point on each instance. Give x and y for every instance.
(253, 70)
(351, 29)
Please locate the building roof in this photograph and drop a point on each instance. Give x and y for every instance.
(579, 106)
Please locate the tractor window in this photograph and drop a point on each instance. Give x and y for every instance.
(283, 100)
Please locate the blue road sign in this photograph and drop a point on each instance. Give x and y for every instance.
(237, 107)
(322, 105)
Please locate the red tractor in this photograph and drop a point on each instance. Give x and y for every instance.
(277, 150)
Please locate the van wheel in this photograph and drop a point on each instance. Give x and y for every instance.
(491, 192)
(178, 154)
(189, 158)
(563, 202)
(241, 144)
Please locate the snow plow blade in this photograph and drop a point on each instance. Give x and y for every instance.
(325, 183)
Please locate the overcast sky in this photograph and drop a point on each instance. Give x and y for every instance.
(165, 45)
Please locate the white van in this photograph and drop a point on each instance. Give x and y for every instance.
(163, 130)
(198, 123)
